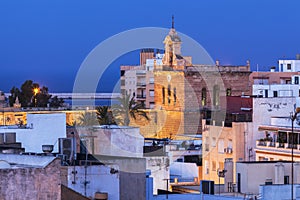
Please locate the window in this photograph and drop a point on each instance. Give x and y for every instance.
(169, 94)
(133, 94)
(163, 95)
(203, 97)
(151, 93)
(281, 67)
(213, 144)
(286, 180)
(289, 66)
(296, 80)
(214, 167)
(175, 97)
(275, 94)
(228, 92)
(221, 146)
(216, 95)
(221, 165)
(206, 167)
(230, 143)
(151, 105)
(261, 81)
(151, 80)
(206, 143)
(266, 93)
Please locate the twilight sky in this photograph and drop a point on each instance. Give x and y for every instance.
(46, 41)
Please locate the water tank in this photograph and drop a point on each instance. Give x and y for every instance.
(47, 148)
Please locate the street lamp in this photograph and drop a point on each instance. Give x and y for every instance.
(35, 92)
(293, 117)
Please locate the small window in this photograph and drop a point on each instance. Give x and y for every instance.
(289, 66)
(174, 96)
(221, 146)
(151, 105)
(266, 93)
(216, 95)
(203, 97)
(169, 94)
(163, 95)
(151, 93)
(296, 80)
(214, 167)
(275, 94)
(221, 165)
(228, 92)
(286, 180)
(151, 80)
(213, 142)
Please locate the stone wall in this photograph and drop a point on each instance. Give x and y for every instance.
(31, 183)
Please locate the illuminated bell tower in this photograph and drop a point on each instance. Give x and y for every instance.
(172, 47)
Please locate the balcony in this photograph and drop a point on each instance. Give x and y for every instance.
(141, 84)
(141, 96)
(141, 73)
(278, 147)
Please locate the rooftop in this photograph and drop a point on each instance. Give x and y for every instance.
(24, 161)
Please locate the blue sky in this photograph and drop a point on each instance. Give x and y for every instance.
(46, 41)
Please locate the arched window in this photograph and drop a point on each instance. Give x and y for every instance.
(216, 95)
(163, 95)
(228, 92)
(203, 97)
(169, 94)
(175, 97)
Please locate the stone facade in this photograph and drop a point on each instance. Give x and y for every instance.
(31, 182)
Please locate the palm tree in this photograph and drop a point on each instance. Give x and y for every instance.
(104, 115)
(128, 109)
(88, 119)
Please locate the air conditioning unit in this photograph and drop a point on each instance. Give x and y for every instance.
(67, 147)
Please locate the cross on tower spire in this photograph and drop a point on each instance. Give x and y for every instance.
(172, 21)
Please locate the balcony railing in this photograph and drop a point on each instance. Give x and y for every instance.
(276, 145)
(141, 96)
(142, 84)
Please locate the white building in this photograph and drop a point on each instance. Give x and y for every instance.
(289, 65)
(278, 173)
(104, 179)
(41, 129)
(272, 132)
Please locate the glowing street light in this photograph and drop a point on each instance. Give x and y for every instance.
(35, 92)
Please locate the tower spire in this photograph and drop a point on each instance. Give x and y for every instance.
(172, 21)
